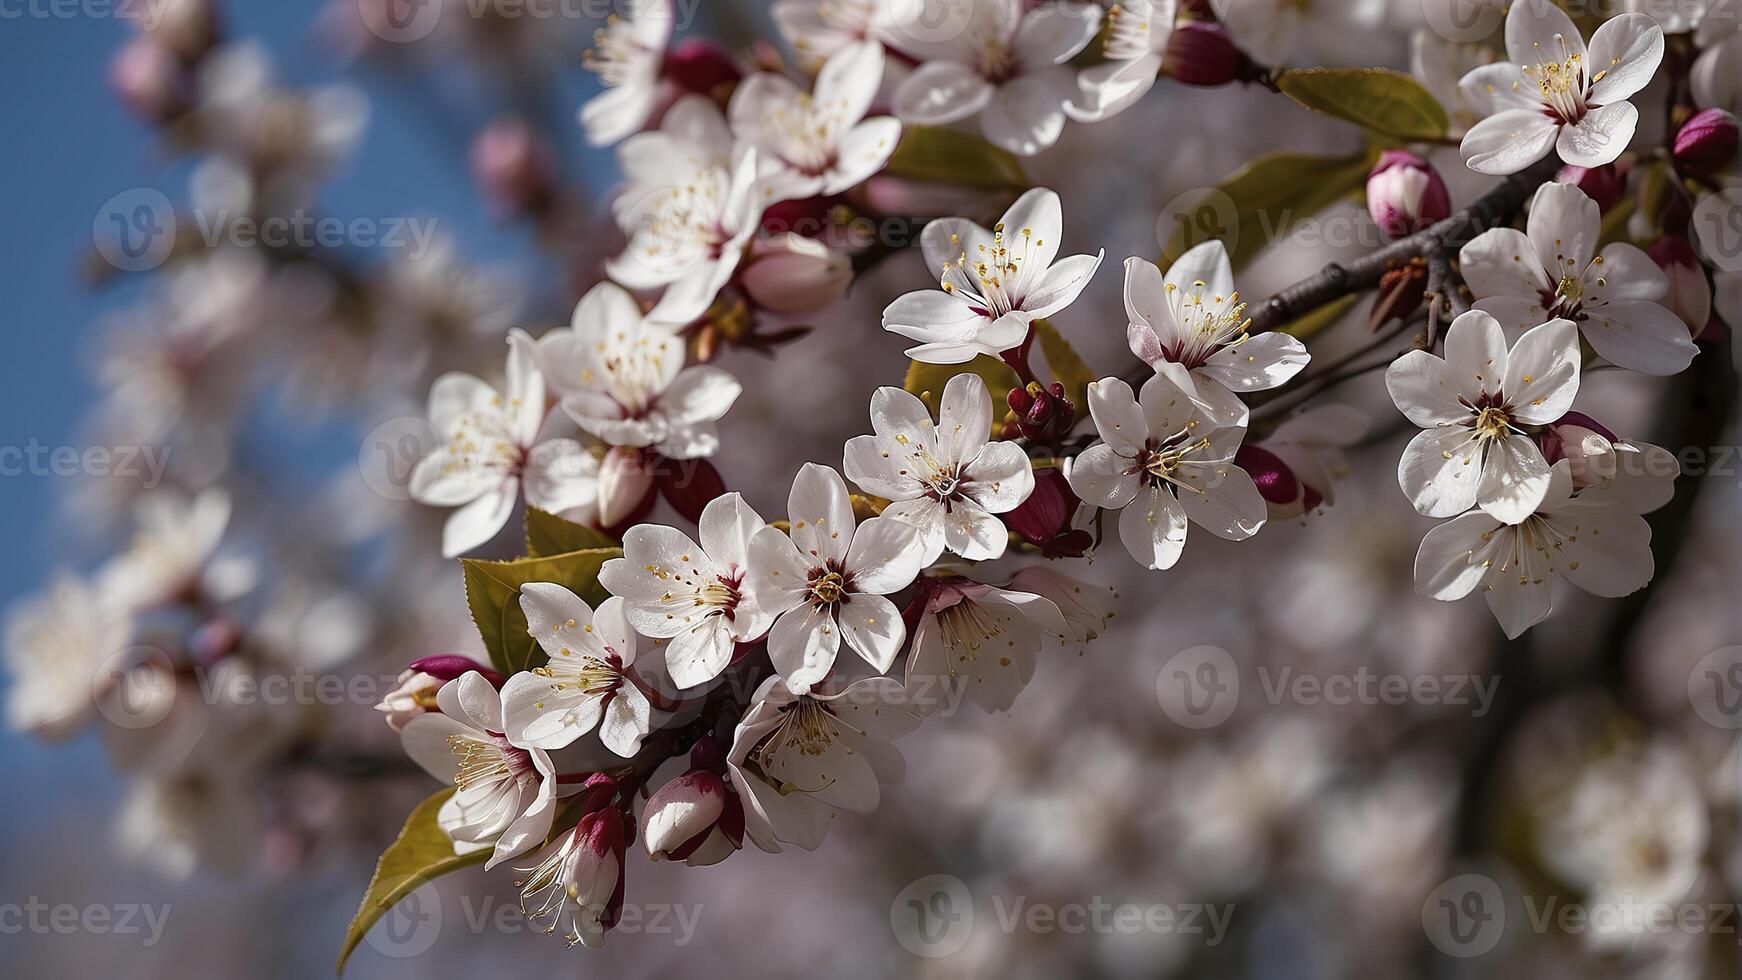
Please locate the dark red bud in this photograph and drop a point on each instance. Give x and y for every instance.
(447, 666)
(1604, 184)
(688, 484)
(1707, 142)
(700, 66)
(1202, 53)
(1276, 482)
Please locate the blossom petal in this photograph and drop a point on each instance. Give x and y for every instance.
(1476, 355)
(1599, 138)
(1606, 551)
(698, 655)
(1537, 31)
(1026, 114)
(1640, 336)
(940, 92)
(1450, 563)
(1054, 34)
(1117, 416)
(1222, 499)
(1508, 141)
(999, 478)
(1153, 527)
(1625, 53)
(876, 470)
(475, 524)
(1503, 262)
(821, 515)
(726, 527)
(1258, 363)
(1542, 372)
(973, 533)
(1062, 284)
(1417, 383)
(1515, 313)
(885, 557)
(628, 718)
(964, 419)
(872, 626)
(1515, 479)
(1146, 302)
(802, 645)
(1439, 471)
(1104, 478)
(1564, 226)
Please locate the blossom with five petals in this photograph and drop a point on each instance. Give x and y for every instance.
(947, 479)
(1475, 404)
(587, 682)
(1554, 269)
(1554, 93)
(829, 578)
(1191, 327)
(1165, 463)
(994, 284)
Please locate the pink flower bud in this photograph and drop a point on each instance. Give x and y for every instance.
(1586, 445)
(1604, 184)
(149, 81)
(1405, 194)
(794, 274)
(625, 480)
(682, 815)
(1201, 53)
(700, 66)
(1276, 482)
(513, 168)
(1690, 293)
(447, 666)
(688, 485)
(415, 694)
(1707, 142)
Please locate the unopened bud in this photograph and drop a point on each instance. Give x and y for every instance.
(795, 274)
(149, 81)
(624, 481)
(1405, 194)
(1690, 293)
(1587, 446)
(1707, 142)
(700, 66)
(1201, 53)
(695, 818)
(1276, 482)
(513, 168)
(1604, 184)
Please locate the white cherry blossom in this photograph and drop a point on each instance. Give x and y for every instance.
(1555, 94)
(817, 29)
(588, 681)
(947, 479)
(1137, 34)
(699, 598)
(829, 578)
(1002, 60)
(994, 284)
(817, 143)
(690, 211)
(576, 886)
(621, 377)
(56, 644)
(798, 759)
(1554, 269)
(980, 640)
(1191, 327)
(628, 55)
(1474, 404)
(505, 797)
(1166, 464)
(176, 549)
(1589, 540)
(494, 445)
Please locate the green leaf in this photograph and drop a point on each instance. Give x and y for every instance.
(928, 381)
(421, 853)
(1378, 99)
(948, 156)
(548, 535)
(493, 594)
(1259, 203)
(1310, 323)
(1068, 367)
